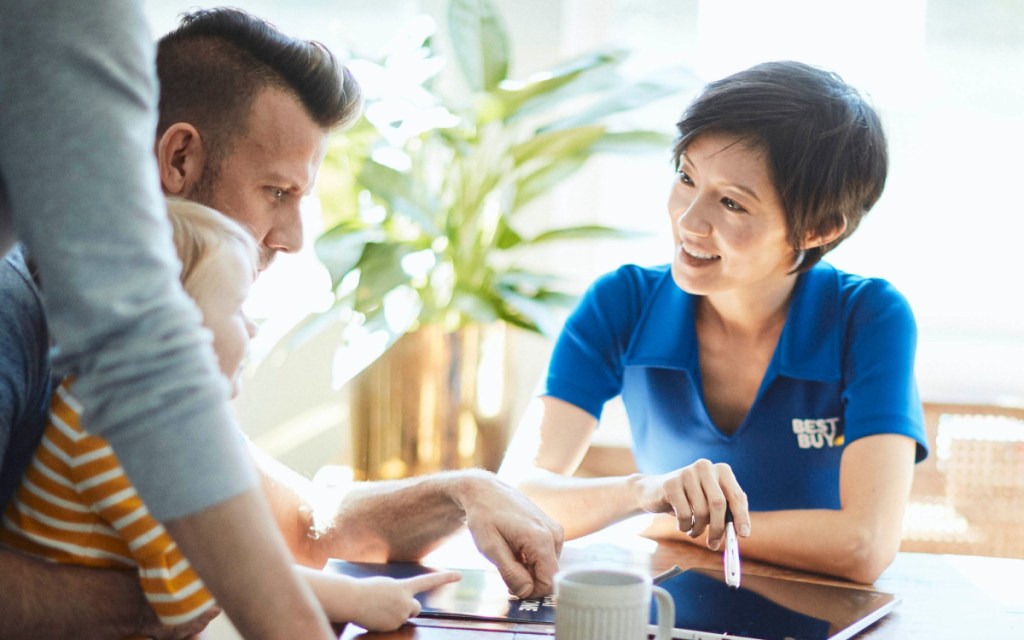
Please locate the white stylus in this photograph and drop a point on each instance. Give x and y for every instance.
(731, 555)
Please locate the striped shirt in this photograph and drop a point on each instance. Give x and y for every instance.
(75, 505)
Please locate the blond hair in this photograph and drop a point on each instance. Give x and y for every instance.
(199, 230)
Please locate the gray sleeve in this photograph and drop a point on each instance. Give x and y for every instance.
(78, 181)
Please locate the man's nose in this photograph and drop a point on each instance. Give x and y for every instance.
(286, 234)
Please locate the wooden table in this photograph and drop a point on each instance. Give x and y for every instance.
(944, 596)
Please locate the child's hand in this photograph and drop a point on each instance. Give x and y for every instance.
(389, 603)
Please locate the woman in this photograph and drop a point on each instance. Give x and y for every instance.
(754, 375)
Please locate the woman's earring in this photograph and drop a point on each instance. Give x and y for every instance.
(799, 259)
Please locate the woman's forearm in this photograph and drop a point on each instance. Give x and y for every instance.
(581, 505)
(831, 542)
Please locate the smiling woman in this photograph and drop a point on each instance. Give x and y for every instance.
(757, 378)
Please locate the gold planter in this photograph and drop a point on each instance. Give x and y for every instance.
(435, 400)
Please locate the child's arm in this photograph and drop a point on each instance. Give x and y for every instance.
(376, 604)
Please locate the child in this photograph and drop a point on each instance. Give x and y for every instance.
(76, 505)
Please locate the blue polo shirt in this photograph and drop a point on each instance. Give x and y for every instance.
(843, 369)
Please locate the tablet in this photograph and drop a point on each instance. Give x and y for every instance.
(706, 609)
(770, 608)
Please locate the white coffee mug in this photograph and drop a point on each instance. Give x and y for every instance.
(609, 604)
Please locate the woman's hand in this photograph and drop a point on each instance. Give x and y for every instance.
(697, 495)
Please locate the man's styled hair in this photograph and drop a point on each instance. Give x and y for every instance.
(824, 144)
(216, 62)
(198, 231)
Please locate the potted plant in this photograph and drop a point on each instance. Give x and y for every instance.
(424, 200)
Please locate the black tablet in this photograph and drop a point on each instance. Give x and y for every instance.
(770, 608)
(706, 609)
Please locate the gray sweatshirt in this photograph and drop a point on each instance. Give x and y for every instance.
(79, 186)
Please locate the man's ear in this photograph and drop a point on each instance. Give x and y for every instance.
(180, 157)
(817, 240)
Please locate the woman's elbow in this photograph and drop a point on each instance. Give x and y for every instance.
(867, 555)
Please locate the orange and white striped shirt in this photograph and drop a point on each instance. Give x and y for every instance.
(75, 505)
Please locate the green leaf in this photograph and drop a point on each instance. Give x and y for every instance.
(400, 193)
(634, 142)
(554, 145)
(475, 306)
(531, 314)
(557, 298)
(535, 291)
(341, 248)
(514, 316)
(548, 82)
(584, 232)
(544, 179)
(506, 237)
(519, 279)
(586, 90)
(380, 271)
(632, 95)
(480, 42)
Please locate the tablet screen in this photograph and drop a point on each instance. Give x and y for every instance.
(772, 608)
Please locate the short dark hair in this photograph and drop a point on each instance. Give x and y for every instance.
(215, 63)
(823, 142)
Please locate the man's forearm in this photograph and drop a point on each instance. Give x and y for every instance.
(406, 519)
(374, 519)
(365, 522)
(46, 600)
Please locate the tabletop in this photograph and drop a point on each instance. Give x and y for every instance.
(943, 596)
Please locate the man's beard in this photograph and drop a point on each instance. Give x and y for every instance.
(204, 192)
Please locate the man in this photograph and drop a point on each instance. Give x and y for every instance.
(245, 113)
(78, 188)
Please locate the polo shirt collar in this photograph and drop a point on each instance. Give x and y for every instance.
(811, 344)
(808, 348)
(666, 335)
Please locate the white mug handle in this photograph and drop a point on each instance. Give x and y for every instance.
(666, 613)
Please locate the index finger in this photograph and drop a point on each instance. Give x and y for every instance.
(429, 581)
(739, 509)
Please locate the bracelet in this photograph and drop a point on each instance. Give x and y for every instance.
(307, 515)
